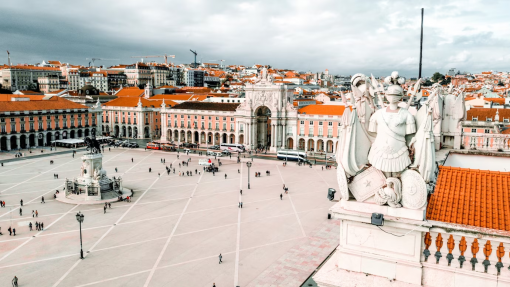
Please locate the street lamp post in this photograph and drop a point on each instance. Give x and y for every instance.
(248, 164)
(80, 217)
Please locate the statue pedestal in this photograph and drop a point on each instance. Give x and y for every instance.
(92, 184)
(380, 251)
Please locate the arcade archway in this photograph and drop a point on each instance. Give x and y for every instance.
(263, 127)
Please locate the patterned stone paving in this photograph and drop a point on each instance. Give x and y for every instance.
(298, 263)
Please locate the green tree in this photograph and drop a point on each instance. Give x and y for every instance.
(437, 77)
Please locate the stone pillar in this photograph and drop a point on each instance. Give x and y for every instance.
(272, 135)
(18, 142)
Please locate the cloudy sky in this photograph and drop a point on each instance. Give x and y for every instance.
(343, 36)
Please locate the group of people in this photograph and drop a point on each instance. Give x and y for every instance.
(38, 226)
(55, 176)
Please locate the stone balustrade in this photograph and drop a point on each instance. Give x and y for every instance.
(458, 253)
(486, 142)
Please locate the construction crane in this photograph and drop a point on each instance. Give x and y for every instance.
(99, 59)
(194, 52)
(165, 56)
(221, 65)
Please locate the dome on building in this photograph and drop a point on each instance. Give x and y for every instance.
(88, 90)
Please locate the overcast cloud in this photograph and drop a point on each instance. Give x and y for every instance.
(343, 36)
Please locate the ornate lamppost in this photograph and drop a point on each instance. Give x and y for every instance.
(248, 164)
(80, 217)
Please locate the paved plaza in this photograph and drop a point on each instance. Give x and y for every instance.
(173, 230)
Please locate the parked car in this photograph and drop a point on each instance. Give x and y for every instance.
(215, 147)
(226, 152)
(134, 145)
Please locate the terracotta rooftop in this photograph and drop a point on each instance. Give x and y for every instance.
(130, 92)
(132, 102)
(37, 103)
(471, 197)
(327, 110)
(230, 107)
(484, 113)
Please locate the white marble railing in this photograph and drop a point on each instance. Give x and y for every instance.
(487, 142)
(455, 252)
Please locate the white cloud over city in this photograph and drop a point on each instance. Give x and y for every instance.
(343, 36)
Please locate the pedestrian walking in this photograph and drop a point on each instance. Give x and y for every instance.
(104, 209)
(30, 226)
(14, 232)
(238, 171)
(150, 169)
(281, 196)
(21, 202)
(15, 281)
(20, 211)
(241, 204)
(225, 176)
(33, 213)
(115, 169)
(131, 159)
(213, 285)
(41, 225)
(42, 199)
(10, 231)
(36, 225)
(36, 213)
(109, 205)
(220, 257)
(241, 192)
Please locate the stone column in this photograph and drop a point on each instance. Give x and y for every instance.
(18, 142)
(272, 135)
(8, 142)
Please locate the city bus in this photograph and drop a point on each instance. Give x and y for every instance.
(153, 145)
(292, 155)
(232, 147)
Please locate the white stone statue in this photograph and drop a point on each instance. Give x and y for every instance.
(389, 152)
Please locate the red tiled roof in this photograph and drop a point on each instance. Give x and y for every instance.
(328, 110)
(133, 102)
(37, 103)
(471, 197)
(484, 113)
(130, 92)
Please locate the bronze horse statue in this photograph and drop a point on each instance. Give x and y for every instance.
(92, 145)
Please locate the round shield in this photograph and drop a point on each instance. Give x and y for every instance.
(414, 190)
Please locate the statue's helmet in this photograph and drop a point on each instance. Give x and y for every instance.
(395, 90)
(357, 78)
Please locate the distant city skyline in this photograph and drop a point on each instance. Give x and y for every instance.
(344, 37)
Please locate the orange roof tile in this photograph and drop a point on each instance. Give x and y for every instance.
(484, 113)
(329, 110)
(133, 102)
(471, 197)
(37, 103)
(130, 92)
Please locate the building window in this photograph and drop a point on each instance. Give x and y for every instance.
(487, 131)
(311, 123)
(210, 125)
(506, 120)
(320, 123)
(330, 132)
(217, 126)
(320, 131)
(302, 122)
(13, 127)
(232, 119)
(473, 130)
(3, 129)
(224, 126)
(175, 124)
(202, 117)
(474, 119)
(330, 124)
(301, 130)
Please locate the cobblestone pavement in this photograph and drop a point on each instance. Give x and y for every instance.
(173, 230)
(295, 266)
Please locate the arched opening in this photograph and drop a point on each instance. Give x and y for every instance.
(169, 135)
(301, 144)
(80, 133)
(183, 137)
(263, 127)
(241, 139)
(320, 145)
(135, 132)
(124, 132)
(40, 139)
(202, 138)
(14, 145)
(311, 144)
(71, 135)
(188, 137)
(146, 133)
(57, 135)
(329, 146)
(87, 133)
(130, 132)
(224, 138)
(196, 138)
(49, 138)
(209, 138)
(290, 143)
(31, 140)
(176, 135)
(216, 138)
(117, 131)
(107, 130)
(3, 143)
(23, 141)
(232, 138)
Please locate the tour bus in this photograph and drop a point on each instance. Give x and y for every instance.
(292, 155)
(232, 147)
(153, 145)
(168, 147)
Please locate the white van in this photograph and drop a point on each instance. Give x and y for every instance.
(211, 153)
